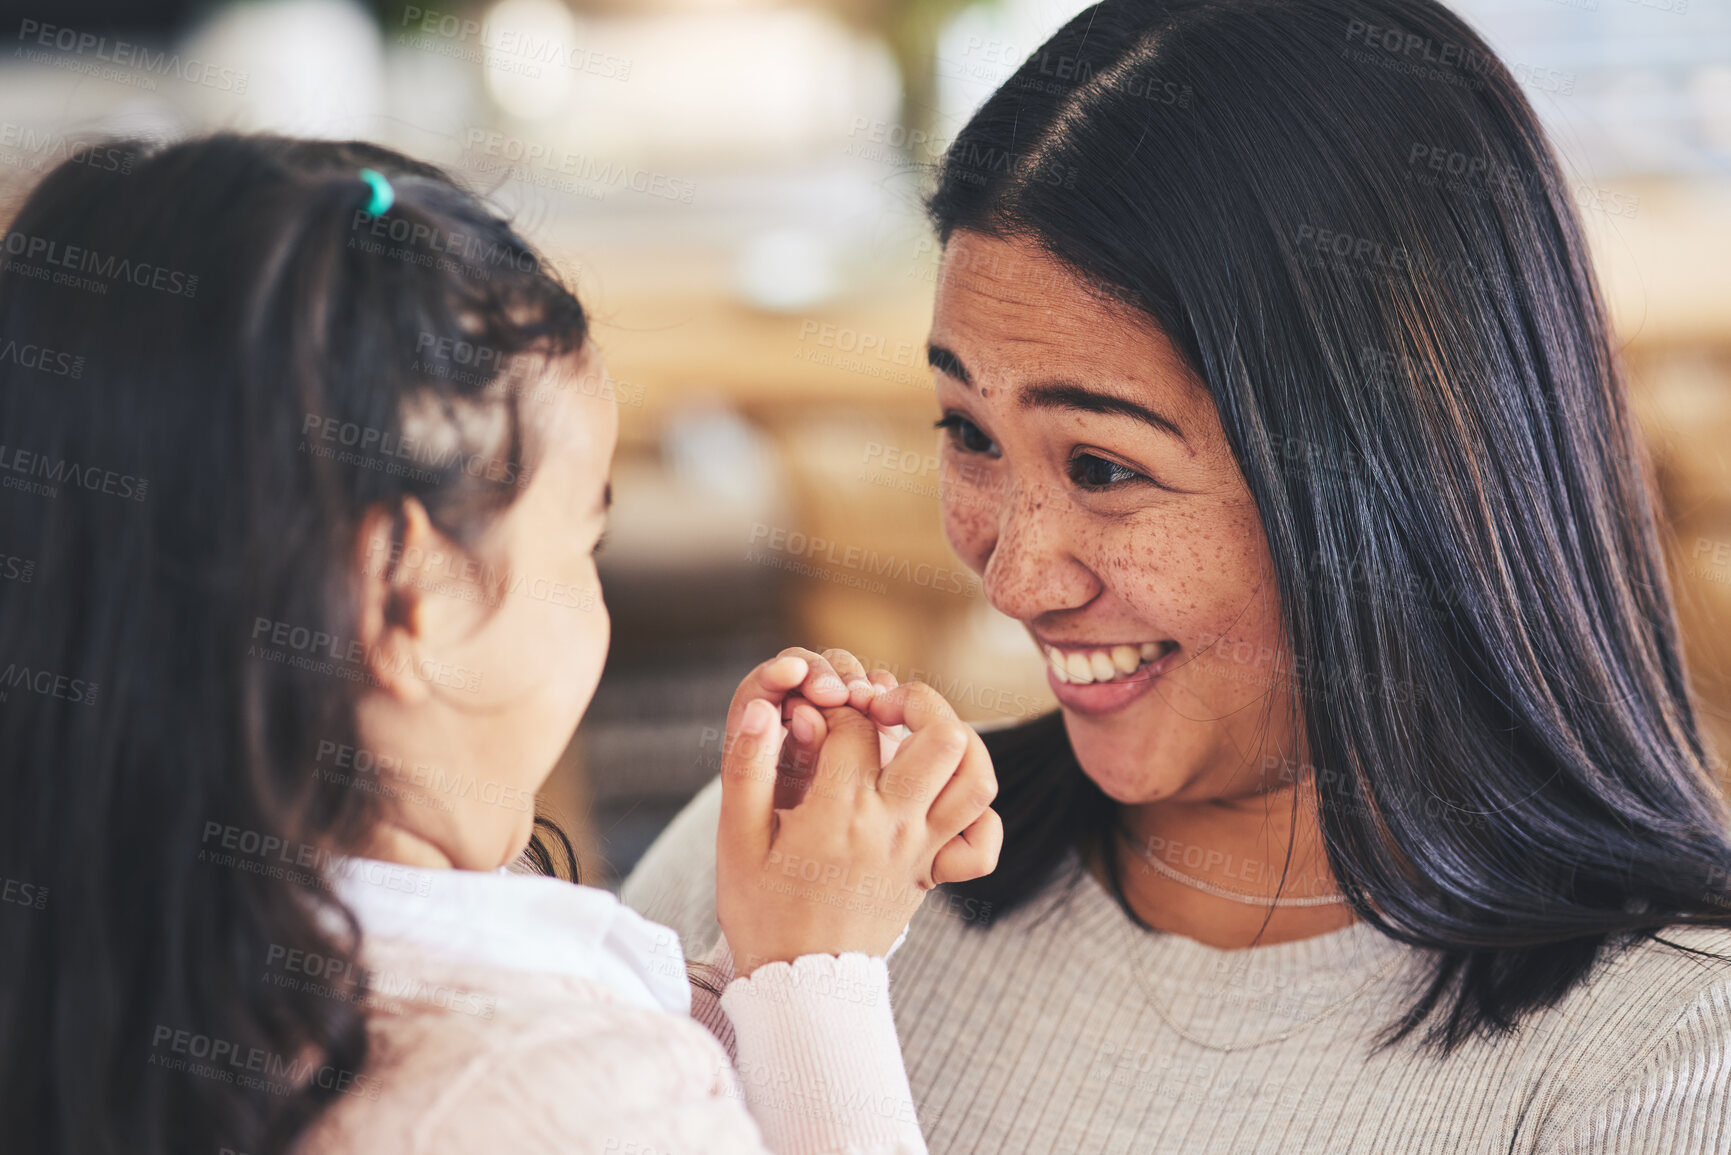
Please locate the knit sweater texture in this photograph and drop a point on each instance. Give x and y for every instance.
(1063, 1027)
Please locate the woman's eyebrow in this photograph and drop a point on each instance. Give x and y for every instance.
(948, 364)
(1063, 395)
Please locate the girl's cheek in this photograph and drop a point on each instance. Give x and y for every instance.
(590, 636)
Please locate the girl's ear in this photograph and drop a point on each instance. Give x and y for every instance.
(396, 550)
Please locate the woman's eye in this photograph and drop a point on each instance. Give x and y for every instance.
(966, 434)
(1091, 472)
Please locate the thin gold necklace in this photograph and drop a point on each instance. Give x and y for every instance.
(1147, 856)
(1226, 1048)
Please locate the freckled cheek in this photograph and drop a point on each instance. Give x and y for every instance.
(1147, 566)
(1175, 577)
(1240, 631)
(1245, 593)
(971, 524)
(1161, 595)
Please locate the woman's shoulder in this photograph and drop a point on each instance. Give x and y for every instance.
(521, 1062)
(1640, 1047)
(1663, 1003)
(1660, 980)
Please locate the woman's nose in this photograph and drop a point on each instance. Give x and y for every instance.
(1032, 568)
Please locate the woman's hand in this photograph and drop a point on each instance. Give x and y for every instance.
(845, 868)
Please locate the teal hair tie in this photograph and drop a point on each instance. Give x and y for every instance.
(384, 196)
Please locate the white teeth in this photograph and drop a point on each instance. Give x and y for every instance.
(1085, 667)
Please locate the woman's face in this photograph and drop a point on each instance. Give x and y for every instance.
(506, 643)
(1088, 481)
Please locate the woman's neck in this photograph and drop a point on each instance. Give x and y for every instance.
(1244, 846)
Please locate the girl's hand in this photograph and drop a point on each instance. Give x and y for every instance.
(800, 683)
(846, 868)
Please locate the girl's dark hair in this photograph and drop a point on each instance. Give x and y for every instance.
(1345, 216)
(215, 363)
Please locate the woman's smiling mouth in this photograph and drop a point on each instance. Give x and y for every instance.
(1101, 679)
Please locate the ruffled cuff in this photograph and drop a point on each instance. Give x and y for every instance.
(818, 1057)
(716, 969)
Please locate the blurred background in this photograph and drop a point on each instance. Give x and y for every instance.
(734, 185)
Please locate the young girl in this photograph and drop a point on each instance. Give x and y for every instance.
(305, 462)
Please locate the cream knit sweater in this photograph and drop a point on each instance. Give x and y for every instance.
(520, 1014)
(1064, 1028)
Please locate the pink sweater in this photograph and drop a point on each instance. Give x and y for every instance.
(512, 1013)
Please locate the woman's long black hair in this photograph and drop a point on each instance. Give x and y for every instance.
(1346, 217)
(213, 364)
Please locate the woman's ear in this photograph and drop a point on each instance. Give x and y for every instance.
(395, 551)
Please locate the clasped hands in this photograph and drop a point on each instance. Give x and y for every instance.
(845, 798)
